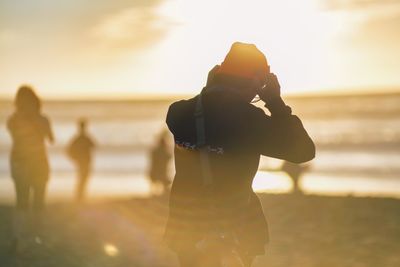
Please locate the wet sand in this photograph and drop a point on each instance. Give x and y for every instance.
(305, 231)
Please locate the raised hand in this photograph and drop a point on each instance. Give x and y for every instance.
(271, 90)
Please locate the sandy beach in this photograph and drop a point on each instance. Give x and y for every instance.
(305, 231)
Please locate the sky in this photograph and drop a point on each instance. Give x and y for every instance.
(136, 48)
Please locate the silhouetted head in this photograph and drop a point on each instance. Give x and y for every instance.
(245, 69)
(82, 124)
(26, 101)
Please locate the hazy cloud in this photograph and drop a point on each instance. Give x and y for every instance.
(379, 34)
(133, 23)
(71, 43)
(134, 27)
(377, 22)
(358, 4)
(7, 36)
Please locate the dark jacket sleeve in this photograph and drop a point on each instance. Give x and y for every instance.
(174, 116)
(180, 120)
(282, 134)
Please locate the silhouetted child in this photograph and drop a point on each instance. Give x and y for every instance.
(159, 159)
(29, 130)
(295, 171)
(80, 151)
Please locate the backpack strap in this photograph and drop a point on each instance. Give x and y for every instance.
(200, 125)
(208, 179)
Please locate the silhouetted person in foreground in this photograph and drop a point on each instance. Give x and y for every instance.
(160, 158)
(214, 215)
(295, 171)
(80, 151)
(29, 130)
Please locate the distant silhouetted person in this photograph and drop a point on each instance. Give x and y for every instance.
(29, 130)
(80, 151)
(214, 215)
(160, 158)
(295, 171)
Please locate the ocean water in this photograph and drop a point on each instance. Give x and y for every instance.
(357, 138)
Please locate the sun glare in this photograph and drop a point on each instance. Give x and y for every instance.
(276, 182)
(296, 36)
(167, 47)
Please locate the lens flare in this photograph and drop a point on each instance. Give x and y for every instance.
(110, 250)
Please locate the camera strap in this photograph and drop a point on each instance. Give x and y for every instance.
(201, 144)
(207, 176)
(221, 234)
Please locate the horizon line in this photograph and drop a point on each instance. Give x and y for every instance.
(165, 97)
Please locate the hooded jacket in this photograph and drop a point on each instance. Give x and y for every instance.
(237, 134)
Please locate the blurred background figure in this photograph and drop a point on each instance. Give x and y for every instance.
(295, 171)
(160, 158)
(80, 151)
(29, 130)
